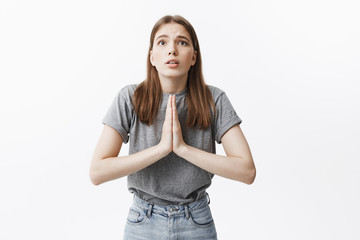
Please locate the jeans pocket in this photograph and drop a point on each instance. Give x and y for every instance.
(136, 216)
(202, 217)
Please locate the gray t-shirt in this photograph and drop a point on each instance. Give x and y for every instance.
(172, 180)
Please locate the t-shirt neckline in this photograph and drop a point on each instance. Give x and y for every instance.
(183, 92)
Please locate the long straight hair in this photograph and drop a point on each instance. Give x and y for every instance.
(148, 94)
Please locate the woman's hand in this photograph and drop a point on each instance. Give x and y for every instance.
(178, 141)
(167, 136)
(171, 137)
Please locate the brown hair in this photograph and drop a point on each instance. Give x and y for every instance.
(148, 94)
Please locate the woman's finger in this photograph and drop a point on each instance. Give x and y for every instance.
(176, 123)
(174, 111)
(168, 113)
(166, 135)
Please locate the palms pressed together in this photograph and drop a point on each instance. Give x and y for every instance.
(171, 137)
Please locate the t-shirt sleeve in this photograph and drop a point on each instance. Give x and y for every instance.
(225, 117)
(119, 114)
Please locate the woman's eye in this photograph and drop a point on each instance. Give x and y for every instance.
(183, 43)
(161, 43)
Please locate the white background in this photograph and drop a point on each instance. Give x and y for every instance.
(290, 69)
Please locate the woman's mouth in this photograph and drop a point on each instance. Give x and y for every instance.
(172, 63)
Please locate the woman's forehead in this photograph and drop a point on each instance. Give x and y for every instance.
(172, 29)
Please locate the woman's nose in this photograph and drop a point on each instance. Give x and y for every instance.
(172, 50)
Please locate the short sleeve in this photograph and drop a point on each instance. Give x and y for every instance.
(225, 117)
(119, 114)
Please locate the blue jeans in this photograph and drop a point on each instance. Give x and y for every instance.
(156, 222)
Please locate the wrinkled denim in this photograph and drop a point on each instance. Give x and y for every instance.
(147, 221)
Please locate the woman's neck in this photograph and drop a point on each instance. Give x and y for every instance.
(173, 85)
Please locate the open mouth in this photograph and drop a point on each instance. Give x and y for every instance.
(172, 62)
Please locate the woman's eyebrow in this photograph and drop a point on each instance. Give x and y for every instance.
(166, 36)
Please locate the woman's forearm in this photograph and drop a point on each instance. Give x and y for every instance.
(237, 165)
(231, 167)
(107, 169)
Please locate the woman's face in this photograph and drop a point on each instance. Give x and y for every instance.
(173, 52)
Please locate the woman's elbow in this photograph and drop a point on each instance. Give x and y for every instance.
(251, 176)
(94, 176)
(247, 177)
(94, 181)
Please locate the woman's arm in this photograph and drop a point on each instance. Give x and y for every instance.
(106, 166)
(237, 165)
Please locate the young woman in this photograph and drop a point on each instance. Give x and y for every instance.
(172, 120)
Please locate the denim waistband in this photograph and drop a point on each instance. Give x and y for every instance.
(170, 209)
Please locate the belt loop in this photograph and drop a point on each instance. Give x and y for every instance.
(150, 210)
(208, 198)
(187, 214)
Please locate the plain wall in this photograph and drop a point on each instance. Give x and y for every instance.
(290, 69)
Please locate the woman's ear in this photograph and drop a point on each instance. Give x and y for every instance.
(193, 61)
(151, 58)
